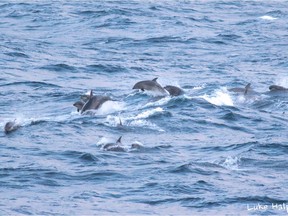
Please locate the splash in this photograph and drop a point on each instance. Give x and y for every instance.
(115, 120)
(231, 163)
(148, 113)
(282, 81)
(107, 108)
(266, 17)
(220, 97)
(144, 123)
(160, 102)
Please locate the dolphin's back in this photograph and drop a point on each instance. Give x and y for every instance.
(144, 85)
(277, 88)
(150, 85)
(94, 103)
(174, 90)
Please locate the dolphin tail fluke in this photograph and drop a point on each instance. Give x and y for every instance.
(119, 140)
(247, 87)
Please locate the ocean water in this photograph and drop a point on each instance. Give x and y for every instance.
(207, 152)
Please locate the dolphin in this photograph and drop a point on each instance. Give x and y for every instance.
(150, 85)
(114, 146)
(94, 102)
(10, 126)
(277, 88)
(245, 90)
(174, 90)
(79, 105)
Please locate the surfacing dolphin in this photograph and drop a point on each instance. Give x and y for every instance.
(114, 146)
(174, 90)
(245, 90)
(150, 85)
(277, 88)
(11, 126)
(94, 102)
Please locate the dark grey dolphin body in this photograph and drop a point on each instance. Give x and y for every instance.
(174, 90)
(114, 146)
(92, 102)
(245, 90)
(277, 88)
(11, 126)
(150, 85)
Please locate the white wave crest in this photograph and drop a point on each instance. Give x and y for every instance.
(149, 113)
(266, 17)
(220, 97)
(231, 163)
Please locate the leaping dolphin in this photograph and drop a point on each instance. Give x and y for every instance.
(277, 88)
(174, 90)
(93, 102)
(150, 85)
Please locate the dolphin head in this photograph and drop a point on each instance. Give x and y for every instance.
(139, 85)
(79, 105)
(10, 126)
(277, 88)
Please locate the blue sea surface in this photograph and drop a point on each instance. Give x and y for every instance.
(209, 151)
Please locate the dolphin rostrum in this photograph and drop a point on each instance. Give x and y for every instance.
(79, 105)
(150, 85)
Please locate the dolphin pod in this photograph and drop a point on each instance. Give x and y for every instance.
(154, 86)
(118, 146)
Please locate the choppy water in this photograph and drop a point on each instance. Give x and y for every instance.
(208, 151)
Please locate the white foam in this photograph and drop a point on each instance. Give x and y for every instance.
(105, 140)
(266, 17)
(160, 102)
(148, 113)
(115, 120)
(220, 97)
(142, 122)
(231, 163)
(108, 107)
(282, 81)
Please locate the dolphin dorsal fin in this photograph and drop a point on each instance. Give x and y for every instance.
(91, 93)
(120, 122)
(119, 140)
(247, 87)
(155, 79)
